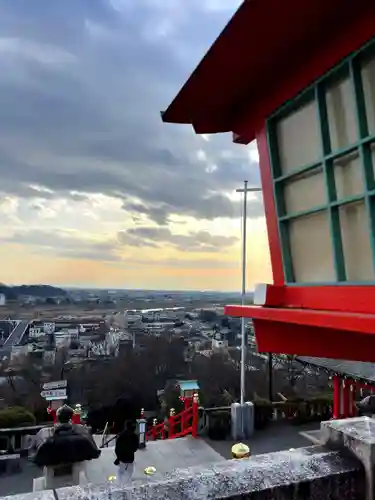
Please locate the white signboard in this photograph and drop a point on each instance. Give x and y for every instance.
(54, 394)
(59, 384)
(48, 328)
(10, 456)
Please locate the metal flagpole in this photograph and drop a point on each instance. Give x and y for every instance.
(244, 190)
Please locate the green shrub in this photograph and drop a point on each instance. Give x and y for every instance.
(15, 416)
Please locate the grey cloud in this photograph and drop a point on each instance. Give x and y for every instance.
(158, 214)
(200, 241)
(64, 244)
(90, 123)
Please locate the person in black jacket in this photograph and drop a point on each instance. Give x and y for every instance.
(66, 443)
(127, 443)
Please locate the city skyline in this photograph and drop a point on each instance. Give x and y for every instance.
(96, 190)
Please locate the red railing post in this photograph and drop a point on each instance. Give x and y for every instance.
(183, 421)
(171, 423)
(154, 424)
(194, 427)
(76, 419)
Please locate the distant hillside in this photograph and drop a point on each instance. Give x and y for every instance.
(44, 291)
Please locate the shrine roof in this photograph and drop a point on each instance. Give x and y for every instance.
(188, 385)
(251, 63)
(360, 370)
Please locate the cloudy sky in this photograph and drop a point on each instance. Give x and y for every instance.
(95, 189)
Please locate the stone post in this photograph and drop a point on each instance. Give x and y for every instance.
(358, 436)
(141, 431)
(242, 420)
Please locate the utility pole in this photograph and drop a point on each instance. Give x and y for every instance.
(244, 190)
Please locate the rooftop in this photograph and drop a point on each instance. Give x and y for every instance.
(237, 75)
(360, 370)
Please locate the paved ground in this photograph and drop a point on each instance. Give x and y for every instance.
(164, 458)
(277, 437)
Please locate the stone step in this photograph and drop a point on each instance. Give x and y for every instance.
(313, 436)
(165, 455)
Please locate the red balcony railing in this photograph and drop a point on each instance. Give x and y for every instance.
(178, 425)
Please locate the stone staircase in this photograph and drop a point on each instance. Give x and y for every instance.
(166, 456)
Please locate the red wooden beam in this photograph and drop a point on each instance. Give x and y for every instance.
(345, 298)
(270, 208)
(355, 322)
(318, 341)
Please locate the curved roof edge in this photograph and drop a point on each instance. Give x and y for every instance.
(267, 40)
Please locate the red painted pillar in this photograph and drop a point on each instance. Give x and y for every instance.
(336, 397)
(187, 403)
(76, 419)
(346, 399)
(353, 395)
(52, 412)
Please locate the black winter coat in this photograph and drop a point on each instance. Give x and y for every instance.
(68, 444)
(126, 445)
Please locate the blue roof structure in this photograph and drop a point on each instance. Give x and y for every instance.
(188, 385)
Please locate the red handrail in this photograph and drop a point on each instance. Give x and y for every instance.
(182, 424)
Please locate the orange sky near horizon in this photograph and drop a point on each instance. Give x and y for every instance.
(24, 264)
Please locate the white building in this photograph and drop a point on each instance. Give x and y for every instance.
(219, 345)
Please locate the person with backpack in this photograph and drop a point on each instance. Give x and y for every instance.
(127, 443)
(65, 443)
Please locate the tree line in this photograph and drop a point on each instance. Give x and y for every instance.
(137, 375)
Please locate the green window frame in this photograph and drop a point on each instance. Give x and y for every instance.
(316, 93)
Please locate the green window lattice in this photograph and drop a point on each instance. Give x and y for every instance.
(322, 150)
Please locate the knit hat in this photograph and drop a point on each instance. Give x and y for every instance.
(64, 414)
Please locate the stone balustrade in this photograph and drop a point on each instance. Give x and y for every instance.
(343, 467)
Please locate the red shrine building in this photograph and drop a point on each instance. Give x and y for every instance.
(299, 78)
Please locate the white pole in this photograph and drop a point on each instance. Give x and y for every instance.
(245, 190)
(243, 294)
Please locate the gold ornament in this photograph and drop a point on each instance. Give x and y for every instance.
(240, 450)
(150, 471)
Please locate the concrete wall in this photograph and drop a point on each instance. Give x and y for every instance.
(341, 469)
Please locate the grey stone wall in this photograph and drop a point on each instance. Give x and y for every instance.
(343, 468)
(307, 473)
